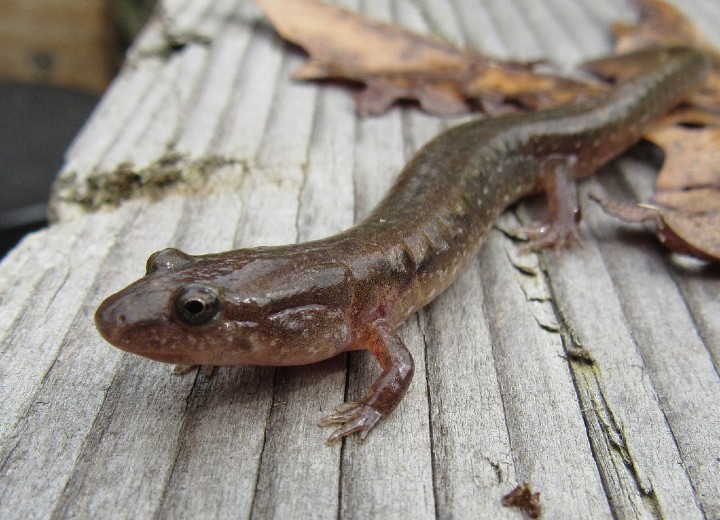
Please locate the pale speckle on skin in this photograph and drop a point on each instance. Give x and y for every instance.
(255, 343)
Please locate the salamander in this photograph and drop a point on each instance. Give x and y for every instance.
(302, 303)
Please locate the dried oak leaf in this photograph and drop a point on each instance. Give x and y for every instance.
(688, 189)
(659, 24)
(686, 205)
(662, 24)
(708, 97)
(681, 230)
(685, 209)
(395, 63)
(522, 85)
(692, 157)
(690, 115)
(617, 67)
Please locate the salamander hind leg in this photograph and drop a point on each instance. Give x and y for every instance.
(561, 229)
(385, 393)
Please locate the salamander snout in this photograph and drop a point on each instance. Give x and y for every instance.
(109, 318)
(134, 320)
(118, 319)
(175, 321)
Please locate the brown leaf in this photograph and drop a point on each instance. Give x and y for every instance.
(660, 24)
(692, 227)
(693, 217)
(522, 85)
(708, 97)
(685, 208)
(625, 65)
(395, 63)
(686, 205)
(692, 157)
(437, 97)
(346, 44)
(689, 115)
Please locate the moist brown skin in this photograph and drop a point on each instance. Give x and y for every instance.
(302, 303)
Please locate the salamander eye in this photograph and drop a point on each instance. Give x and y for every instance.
(197, 304)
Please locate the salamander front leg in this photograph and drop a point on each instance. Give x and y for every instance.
(387, 390)
(563, 210)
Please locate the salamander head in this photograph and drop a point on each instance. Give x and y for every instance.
(243, 307)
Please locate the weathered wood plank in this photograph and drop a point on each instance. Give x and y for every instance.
(679, 363)
(561, 371)
(539, 425)
(635, 424)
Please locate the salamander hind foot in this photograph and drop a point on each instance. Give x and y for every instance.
(354, 418)
(561, 230)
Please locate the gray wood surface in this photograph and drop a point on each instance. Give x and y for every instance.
(592, 375)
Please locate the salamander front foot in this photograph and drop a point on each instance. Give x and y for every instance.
(354, 417)
(386, 391)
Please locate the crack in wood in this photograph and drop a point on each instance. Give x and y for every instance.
(626, 488)
(628, 492)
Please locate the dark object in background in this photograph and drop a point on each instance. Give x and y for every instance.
(130, 16)
(37, 124)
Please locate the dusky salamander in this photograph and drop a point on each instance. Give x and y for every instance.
(302, 303)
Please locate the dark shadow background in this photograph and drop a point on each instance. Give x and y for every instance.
(56, 64)
(37, 124)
